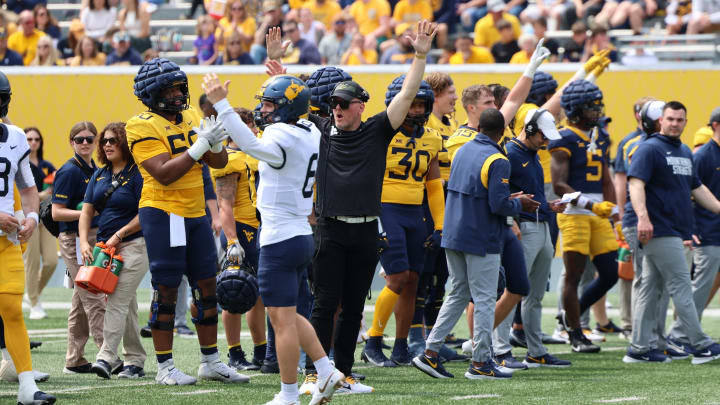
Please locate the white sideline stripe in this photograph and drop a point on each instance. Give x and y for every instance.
(616, 400)
(477, 396)
(85, 388)
(198, 392)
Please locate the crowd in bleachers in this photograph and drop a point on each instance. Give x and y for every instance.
(348, 32)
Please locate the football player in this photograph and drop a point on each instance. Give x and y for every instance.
(168, 145)
(580, 162)
(288, 153)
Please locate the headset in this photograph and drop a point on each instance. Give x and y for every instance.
(532, 127)
(647, 123)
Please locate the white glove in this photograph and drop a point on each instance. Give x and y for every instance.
(235, 253)
(538, 57)
(212, 130)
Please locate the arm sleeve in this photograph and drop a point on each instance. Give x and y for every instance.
(24, 177)
(436, 201)
(641, 165)
(208, 188)
(261, 149)
(499, 190)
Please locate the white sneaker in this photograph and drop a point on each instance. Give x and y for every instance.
(309, 385)
(8, 373)
(168, 375)
(592, 336)
(561, 335)
(37, 312)
(279, 400)
(218, 371)
(26, 299)
(326, 387)
(353, 386)
(467, 347)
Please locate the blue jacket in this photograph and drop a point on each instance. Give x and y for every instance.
(478, 201)
(526, 175)
(707, 165)
(629, 218)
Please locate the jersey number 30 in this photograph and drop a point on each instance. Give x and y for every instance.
(408, 164)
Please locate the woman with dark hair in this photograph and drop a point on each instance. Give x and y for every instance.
(87, 54)
(46, 22)
(112, 196)
(135, 19)
(97, 18)
(40, 255)
(87, 310)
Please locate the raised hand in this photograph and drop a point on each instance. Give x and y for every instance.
(274, 68)
(274, 45)
(425, 34)
(538, 57)
(213, 89)
(595, 60)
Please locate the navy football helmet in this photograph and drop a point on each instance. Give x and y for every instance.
(542, 85)
(425, 93)
(322, 83)
(157, 75)
(582, 102)
(5, 94)
(290, 95)
(237, 288)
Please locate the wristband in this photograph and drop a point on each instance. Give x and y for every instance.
(198, 149)
(582, 202)
(420, 55)
(33, 215)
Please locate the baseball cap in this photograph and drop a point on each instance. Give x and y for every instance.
(121, 36)
(546, 124)
(495, 6)
(715, 115)
(269, 5)
(349, 90)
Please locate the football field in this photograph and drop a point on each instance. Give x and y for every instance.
(593, 378)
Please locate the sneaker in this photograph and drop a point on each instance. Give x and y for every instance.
(487, 371)
(431, 366)
(146, 332)
(216, 370)
(308, 386)
(34, 398)
(37, 312)
(9, 374)
(517, 338)
(609, 328)
(546, 360)
(353, 386)
(168, 375)
(582, 344)
(707, 354)
(184, 330)
(592, 336)
(35, 344)
(675, 354)
(454, 342)
(651, 356)
(373, 354)
(401, 354)
(255, 364)
(562, 320)
(508, 363)
(561, 336)
(270, 367)
(679, 346)
(132, 372)
(449, 355)
(280, 400)
(552, 340)
(84, 369)
(326, 387)
(467, 348)
(102, 369)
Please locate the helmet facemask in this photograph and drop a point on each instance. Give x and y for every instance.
(175, 104)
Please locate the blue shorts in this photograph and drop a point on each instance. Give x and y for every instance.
(406, 233)
(197, 260)
(248, 237)
(281, 269)
(513, 261)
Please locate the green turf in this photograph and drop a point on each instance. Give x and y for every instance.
(591, 379)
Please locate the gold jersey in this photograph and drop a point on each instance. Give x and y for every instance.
(445, 127)
(243, 209)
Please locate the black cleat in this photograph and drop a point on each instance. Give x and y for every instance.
(517, 338)
(146, 332)
(270, 367)
(35, 344)
(581, 344)
(39, 398)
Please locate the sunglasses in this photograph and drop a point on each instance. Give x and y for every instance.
(108, 141)
(344, 104)
(340, 22)
(33, 139)
(79, 140)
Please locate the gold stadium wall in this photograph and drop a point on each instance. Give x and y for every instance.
(53, 99)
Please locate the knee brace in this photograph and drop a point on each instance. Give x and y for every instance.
(158, 307)
(203, 304)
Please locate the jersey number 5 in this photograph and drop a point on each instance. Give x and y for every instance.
(594, 163)
(406, 161)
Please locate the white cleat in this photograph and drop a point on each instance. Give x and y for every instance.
(309, 385)
(29, 394)
(168, 375)
(279, 400)
(8, 373)
(353, 386)
(592, 336)
(326, 387)
(216, 370)
(37, 312)
(561, 335)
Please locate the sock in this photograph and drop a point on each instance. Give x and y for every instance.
(163, 356)
(16, 337)
(6, 354)
(289, 391)
(416, 334)
(400, 346)
(209, 349)
(236, 352)
(416, 326)
(260, 350)
(323, 367)
(383, 309)
(27, 383)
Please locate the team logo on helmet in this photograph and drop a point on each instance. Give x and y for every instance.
(293, 90)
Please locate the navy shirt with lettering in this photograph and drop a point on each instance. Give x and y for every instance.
(526, 175)
(121, 206)
(69, 188)
(707, 166)
(665, 164)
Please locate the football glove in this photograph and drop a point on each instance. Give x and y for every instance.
(595, 60)
(434, 240)
(234, 253)
(618, 232)
(603, 209)
(212, 130)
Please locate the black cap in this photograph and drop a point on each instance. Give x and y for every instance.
(714, 116)
(349, 90)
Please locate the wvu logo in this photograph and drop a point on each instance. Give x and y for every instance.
(293, 90)
(249, 235)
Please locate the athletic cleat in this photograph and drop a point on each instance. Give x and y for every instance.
(707, 354)
(270, 367)
(546, 360)
(239, 363)
(582, 344)
(279, 400)
(326, 387)
(609, 328)
(84, 369)
(431, 366)
(168, 375)
(353, 386)
(467, 348)
(218, 371)
(651, 356)
(9, 374)
(146, 332)
(309, 385)
(373, 354)
(38, 398)
(562, 320)
(255, 365)
(454, 342)
(561, 336)
(675, 355)
(517, 338)
(184, 330)
(509, 363)
(401, 358)
(592, 336)
(132, 372)
(488, 371)
(34, 344)
(552, 340)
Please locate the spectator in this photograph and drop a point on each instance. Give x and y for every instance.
(40, 255)
(402, 52)
(408, 12)
(445, 13)
(540, 30)
(334, 44)
(357, 54)
(471, 11)
(310, 29)
(234, 53)
(87, 54)
(45, 54)
(582, 10)
(135, 19)
(87, 310)
(149, 54)
(303, 52)
(67, 45)
(237, 20)
(112, 196)
(8, 23)
(25, 40)
(106, 45)
(515, 7)
(373, 19)
(527, 44)
(46, 22)
(272, 17)
(467, 53)
(205, 46)
(537, 10)
(18, 6)
(97, 18)
(575, 46)
(599, 40)
(486, 34)
(8, 57)
(704, 15)
(193, 7)
(324, 11)
(506, 46)
(123, 54)
(678, 15)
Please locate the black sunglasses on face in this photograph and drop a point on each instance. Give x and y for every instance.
(108, 141)
(344, 104)
(83, 139)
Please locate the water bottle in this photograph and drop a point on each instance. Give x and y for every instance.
(116, 265)
(102, 260)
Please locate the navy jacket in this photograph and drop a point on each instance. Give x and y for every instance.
(707, 166)
(527, 176)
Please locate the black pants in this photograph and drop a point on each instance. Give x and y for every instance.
(343, 269)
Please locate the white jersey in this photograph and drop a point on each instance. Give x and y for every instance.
(14, 165)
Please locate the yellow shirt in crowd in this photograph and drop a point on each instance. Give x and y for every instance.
(478, 54)
(247, 27)
(368, 14)
(408, 14)
(25, 46)
(324, 12)
(371, 58)
(487, 35)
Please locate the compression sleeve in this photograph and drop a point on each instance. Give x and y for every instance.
(436, 201)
